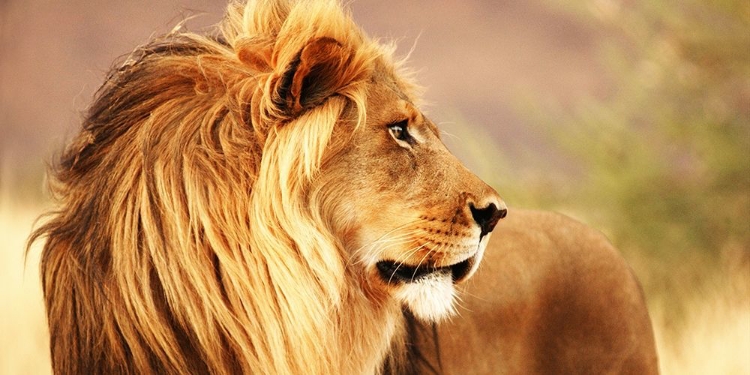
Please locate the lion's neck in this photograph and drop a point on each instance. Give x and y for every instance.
(369, 327)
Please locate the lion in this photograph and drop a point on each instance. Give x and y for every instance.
(270, 199)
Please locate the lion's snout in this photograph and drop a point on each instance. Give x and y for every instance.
(488, 216)
(481, 205)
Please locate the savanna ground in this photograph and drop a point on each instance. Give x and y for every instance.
(657, 156)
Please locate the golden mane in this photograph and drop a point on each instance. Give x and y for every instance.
(185, 198)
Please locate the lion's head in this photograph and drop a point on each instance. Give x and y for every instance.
(413, 219)
(264, 200)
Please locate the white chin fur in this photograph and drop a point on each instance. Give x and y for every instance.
(430, 298)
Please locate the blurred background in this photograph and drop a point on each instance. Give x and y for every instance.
(630, 115)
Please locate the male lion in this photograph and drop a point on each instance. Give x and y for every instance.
(270, 200)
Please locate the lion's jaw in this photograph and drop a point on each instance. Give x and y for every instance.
(418, 271)
(431, 296)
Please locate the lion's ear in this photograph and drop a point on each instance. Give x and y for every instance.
(316, 73)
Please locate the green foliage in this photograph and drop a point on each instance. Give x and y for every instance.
(665, 157)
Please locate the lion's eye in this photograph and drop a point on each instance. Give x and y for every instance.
(399, 130)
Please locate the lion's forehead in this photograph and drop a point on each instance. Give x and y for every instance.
(385, 75)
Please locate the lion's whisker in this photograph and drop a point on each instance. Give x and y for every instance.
(407, 255)
(427, 253)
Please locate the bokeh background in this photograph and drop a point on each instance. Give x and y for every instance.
(630, 115)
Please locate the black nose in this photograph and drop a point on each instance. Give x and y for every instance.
(487, 217)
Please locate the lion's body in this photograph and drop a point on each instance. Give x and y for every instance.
(268, 200)
(552, 297)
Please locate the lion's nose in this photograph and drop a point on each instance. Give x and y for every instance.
(487, 217)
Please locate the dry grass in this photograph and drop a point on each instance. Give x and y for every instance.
(712, 338)
(24, 341)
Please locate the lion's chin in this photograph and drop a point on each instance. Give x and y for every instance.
(429, 298)
(427, 291)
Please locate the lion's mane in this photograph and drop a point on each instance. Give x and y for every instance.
(187, 239)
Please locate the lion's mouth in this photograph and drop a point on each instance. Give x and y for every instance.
(393, 272)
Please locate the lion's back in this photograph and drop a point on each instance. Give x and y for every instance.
(551, 296)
